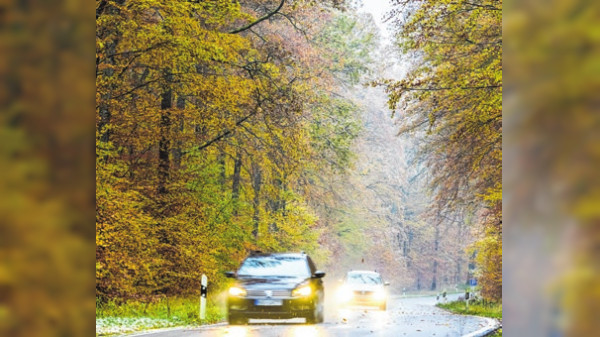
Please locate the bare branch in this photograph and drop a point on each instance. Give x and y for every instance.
(450, 88)
(252, 24)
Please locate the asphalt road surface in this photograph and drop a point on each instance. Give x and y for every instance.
(404, 317)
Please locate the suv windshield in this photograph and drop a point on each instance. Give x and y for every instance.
(287, 266)
(359, 278)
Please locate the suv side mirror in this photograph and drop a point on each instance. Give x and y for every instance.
(386, 284)
(229, 274)
(319, 274)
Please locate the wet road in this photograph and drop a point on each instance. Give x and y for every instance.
(404, 317)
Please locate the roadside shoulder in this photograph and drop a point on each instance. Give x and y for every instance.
(490, 312)
(188, 327)
(492, 324)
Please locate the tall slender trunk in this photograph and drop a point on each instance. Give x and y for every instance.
(277, 203)
(235, 185)
(177, 151)
(435, 257)
(104, 110)
(434, 280)
(408, 247)
(222, 168)
(256, 186)
(104, 119)
(458, 271)
(459, 259)
(164, 143)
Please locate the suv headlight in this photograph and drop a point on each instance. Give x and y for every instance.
(302, 291)
(237, 291)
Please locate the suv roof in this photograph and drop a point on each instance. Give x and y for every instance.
(259, 253)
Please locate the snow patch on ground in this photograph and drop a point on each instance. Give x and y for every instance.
(122, 325)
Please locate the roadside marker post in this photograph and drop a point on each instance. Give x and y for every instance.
(203, 284)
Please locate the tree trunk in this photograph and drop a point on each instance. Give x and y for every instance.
(222, 169)
(277, 203)
(408, 247)
(235, 186)
(458, 270)
(435, 257)
(104, 112)
(164, 143)
(256, 185)
(434, 281)
(177, 150)
(459, 259)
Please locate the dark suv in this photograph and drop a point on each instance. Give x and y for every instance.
(276, 285)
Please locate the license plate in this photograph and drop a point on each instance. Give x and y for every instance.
(268, 302)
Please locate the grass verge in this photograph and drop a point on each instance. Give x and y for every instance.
(497, 333)
(131, 316)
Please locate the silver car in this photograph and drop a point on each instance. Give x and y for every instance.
(363, 288)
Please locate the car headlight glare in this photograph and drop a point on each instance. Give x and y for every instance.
(302, 291)
(379, 294)
(345, 294)
(237, 291)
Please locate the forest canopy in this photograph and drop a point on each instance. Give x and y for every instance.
(224, 127)
(215, 121)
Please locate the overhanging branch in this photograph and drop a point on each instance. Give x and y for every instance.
(227, 132)
(252, 24)
(450, 88)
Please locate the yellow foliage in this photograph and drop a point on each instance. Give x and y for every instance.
(204, 141)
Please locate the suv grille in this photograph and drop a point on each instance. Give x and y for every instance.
(276, 293)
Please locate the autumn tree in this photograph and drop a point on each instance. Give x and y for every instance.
(454, 93)
(208, 123)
